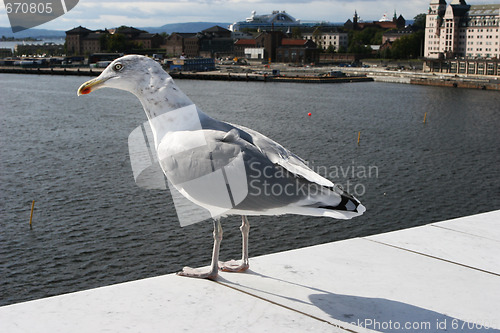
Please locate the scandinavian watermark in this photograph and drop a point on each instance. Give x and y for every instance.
(26, 14)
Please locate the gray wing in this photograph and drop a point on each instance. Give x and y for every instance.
(276, 178)
(272, 150)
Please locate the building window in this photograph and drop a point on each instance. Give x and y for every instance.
(490, 69)
(453, 67)
(471, 68)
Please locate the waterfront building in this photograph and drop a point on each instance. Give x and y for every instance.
(275, 46)
(177, 45)
(81, 41)
(45, 49)
(269, 41)
(5, 52)
(326, 37)
(464, 66)
(298, 51)
(240, 35)
(393, 35)
(192, 46)
(247, 48)
(195, 64)
(462, 30)
(141, 38)
(214, 42)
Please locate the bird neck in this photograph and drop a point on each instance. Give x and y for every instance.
(168, 109)
(161, 95)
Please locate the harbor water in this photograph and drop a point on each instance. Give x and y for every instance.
(93, 226)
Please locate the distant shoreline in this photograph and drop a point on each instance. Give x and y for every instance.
(13, 39)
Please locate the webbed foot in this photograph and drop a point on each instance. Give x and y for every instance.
(234, 266)
(200, 273)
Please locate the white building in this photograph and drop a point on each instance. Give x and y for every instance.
(462, 30)
(324, 37)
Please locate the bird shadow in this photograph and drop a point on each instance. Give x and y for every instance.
(377, 314)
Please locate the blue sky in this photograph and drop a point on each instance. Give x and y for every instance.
(97, 14)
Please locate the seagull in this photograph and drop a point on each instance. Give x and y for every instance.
(225, 168)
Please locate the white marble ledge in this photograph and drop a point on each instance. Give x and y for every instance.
(440, 277)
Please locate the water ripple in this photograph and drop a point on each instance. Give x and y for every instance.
(93, 226)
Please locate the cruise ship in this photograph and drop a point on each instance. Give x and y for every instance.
(277, 19)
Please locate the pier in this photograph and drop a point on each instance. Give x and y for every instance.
(78, 71)
(443, 276)
(428, 79)
(215, 75)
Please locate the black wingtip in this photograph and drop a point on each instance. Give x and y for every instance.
(347, 203)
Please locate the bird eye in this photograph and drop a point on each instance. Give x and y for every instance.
(118, 67)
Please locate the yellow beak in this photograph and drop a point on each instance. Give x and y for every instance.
(90, 86)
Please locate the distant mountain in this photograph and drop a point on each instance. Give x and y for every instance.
(34, 33)
(168, 28)
(184, 27)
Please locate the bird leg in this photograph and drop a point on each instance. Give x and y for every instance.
(234, 265)
(212, 271)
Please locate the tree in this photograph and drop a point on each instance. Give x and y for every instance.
(367, 36)
(419, 22)
(377, 38)
(408, 47)
(103, 41)
(118, 42)
(359, 41)
(385, 53)
(316, 36)
(296, 33)
(330, 49)
(359, 48)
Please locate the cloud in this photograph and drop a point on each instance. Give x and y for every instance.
(96, 14)
(112, 14)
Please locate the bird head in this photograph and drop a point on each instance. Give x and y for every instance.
(132, 73)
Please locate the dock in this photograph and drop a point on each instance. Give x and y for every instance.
(215, 76)
(439, 277)
(482, 82)
(299, 76)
